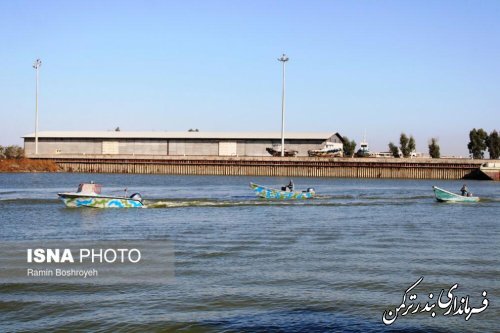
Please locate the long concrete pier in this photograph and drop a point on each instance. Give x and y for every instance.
(415, 168)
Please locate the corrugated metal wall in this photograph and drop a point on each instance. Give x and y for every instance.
(170, 147)
(413, 169)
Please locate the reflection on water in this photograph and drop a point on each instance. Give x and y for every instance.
(243, 264)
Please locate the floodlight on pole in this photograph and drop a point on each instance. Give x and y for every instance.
(283, 59)
(36, 66)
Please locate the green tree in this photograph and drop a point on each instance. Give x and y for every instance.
(403, 145)
(20, 152)
(393, 149)
(493, 144)
(477, 143)
(412, 147)
(14, 152)
(434, 150)
(2, 152)
(349, 146)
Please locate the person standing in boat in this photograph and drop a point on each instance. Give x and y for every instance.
(464, 190)
(290, 186)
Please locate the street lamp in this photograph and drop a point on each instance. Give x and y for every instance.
(36, 66)
(283, 59)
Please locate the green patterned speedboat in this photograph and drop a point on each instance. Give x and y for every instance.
(445, 196)
(89, 195)
(271, 193)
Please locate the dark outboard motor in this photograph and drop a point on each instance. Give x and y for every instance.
(136, 196)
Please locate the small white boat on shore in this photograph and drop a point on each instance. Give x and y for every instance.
(330, 149)
(89, 195)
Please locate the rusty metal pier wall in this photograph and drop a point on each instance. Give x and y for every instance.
(417, 168)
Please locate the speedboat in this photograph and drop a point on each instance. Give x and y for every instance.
(271, 193)
(89, 195)
(445, 196)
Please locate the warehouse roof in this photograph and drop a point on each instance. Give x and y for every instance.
(180, 135)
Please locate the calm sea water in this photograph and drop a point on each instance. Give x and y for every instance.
(335, 263)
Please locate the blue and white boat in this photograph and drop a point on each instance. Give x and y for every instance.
(271, 193)
(89, 195)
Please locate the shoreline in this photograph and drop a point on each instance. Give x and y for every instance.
(25, 165)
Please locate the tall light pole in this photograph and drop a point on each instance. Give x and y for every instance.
(36, 66)
(283, 59)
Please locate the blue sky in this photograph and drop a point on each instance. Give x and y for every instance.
(426, 68)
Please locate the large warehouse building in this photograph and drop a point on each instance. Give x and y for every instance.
(172, 143)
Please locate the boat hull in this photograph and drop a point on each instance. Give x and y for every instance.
(318, 153)
(270, 193)
(362, 153)
(277, 153)
(71, 200)
(445, 196)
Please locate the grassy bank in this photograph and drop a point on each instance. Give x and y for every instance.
(27, 165)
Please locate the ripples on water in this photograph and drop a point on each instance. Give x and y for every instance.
(244, 264)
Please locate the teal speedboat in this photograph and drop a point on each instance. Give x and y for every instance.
(271, 193)
(445, 196)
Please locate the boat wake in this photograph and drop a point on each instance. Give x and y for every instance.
(269, 203)
(207, 203)
(28, 201)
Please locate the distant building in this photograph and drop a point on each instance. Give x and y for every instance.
(172, 143)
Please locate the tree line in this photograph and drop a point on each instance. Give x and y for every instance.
(407, 146)
(11, 152)
(480, 141)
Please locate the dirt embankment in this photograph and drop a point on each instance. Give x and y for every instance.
(28, 165)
